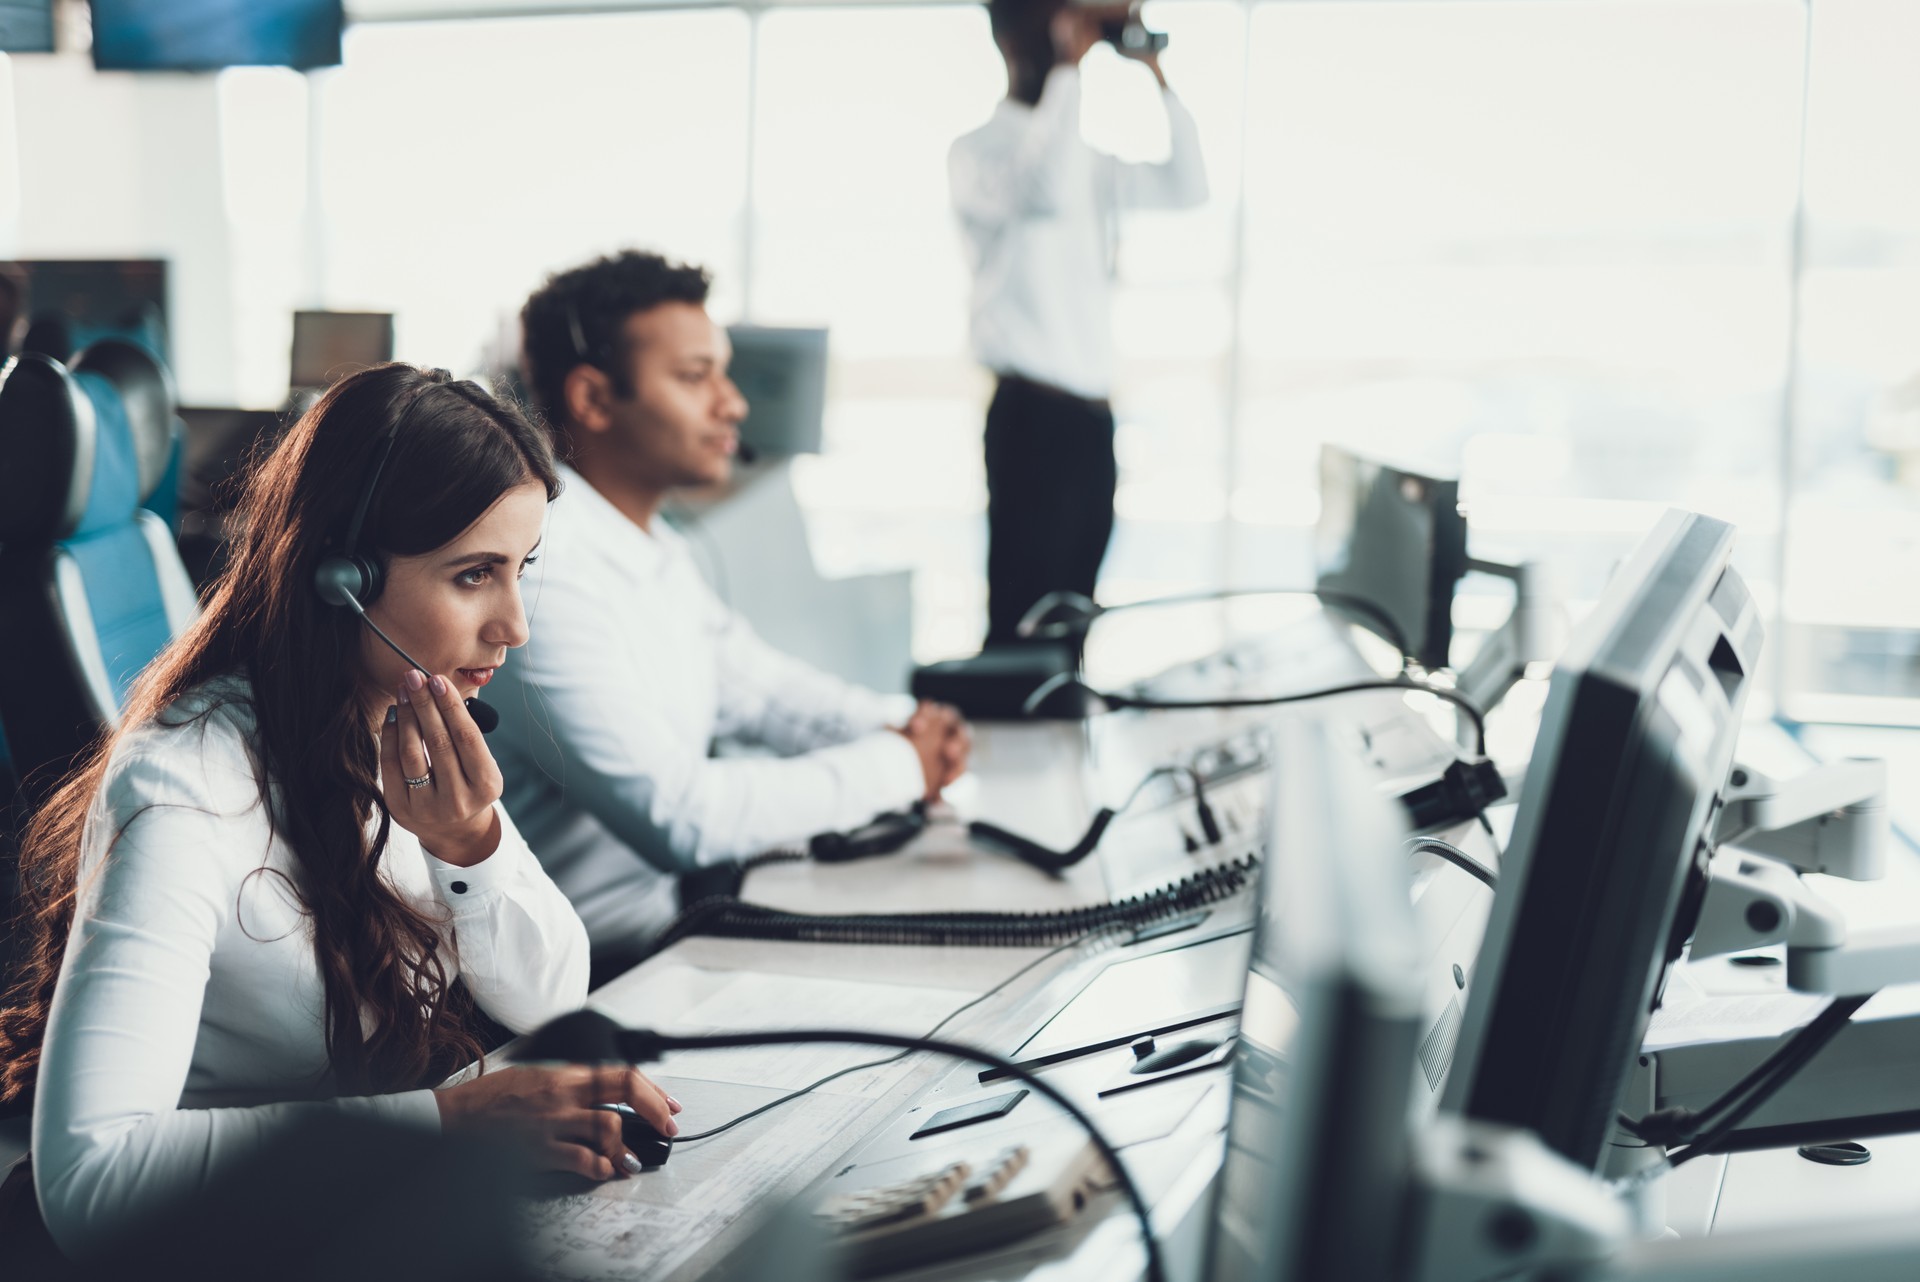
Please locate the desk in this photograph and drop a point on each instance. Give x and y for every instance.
(688, 1218)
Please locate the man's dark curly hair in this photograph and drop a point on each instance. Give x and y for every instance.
(578, 318)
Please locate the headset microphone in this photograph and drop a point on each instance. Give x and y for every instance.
(346, 577)
(484, 715)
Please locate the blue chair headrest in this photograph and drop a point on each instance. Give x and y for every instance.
(69, 461)
(147, 394)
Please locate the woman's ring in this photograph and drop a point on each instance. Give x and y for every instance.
(421, 782)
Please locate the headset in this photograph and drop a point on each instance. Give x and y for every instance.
(353, 581)
(744, 452)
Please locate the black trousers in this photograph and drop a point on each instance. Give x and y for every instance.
(1050, 481)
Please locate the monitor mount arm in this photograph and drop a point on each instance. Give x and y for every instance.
(1533, 633)
(1833, 820)
(1491, 1202)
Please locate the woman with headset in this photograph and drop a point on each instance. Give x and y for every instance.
(254, 898)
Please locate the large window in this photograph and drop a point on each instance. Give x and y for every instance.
(1558, 247)
(461, 161)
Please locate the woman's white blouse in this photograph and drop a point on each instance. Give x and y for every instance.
(189, 1016)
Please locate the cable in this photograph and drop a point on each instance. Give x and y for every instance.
(1047, 859)
(1745, 1097)
(1031, 623)
(1454, 855)
(952, 1015)
(1461, 701)
(588, 1036)
(731, 918)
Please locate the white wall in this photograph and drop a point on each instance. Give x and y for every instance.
(113, 165)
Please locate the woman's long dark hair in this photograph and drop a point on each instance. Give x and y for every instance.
(458, 450)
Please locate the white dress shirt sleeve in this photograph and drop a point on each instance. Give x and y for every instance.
(522, 949)
(620, 759)
(109, 1135)
(1179, 181)
(992, 186)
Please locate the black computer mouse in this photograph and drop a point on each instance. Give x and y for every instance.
(645, 1143)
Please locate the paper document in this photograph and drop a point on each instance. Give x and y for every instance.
(1690, 1016)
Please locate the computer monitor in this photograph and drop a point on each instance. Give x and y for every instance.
(1318, 1136)
(330, 345)
(1395, 538)
(26, 26)
(205, 35)
(783, 374)
(71, 302)
(1602, 876)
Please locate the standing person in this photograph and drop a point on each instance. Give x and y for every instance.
(250, 904)
(1038, 208)
(607, 722)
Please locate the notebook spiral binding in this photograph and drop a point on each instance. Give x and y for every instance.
(731, 918)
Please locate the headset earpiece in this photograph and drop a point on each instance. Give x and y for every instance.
(337, 577)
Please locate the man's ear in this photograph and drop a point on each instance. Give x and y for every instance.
(588, 394)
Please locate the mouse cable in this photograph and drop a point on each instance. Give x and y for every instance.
(647, 1046)
(956, 1013)
(1454, 855)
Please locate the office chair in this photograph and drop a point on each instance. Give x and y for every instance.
(159, 437)
(90, 583)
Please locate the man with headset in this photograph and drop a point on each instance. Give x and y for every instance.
(608, 716)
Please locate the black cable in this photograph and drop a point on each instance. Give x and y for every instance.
(1765, 1081)
(1049, 860)
(1357, 604)
(952, 1015)
(1683, 1125)
(1454, 855)
(642, 1046)
(732, 918)
(1466, 705)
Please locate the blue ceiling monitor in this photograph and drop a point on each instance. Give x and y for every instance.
(1601, 880)
(1395, 538)
(205, 35)
(1318, 1144)
(26, 26)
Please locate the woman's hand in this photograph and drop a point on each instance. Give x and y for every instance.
(550, 1110)
(430, 739)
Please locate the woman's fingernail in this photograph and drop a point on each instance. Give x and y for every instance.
(438, 683)
(673, 1103)
(673, 1127)
(631, 1163)
(404, 696)
(414, 680)
(393, 713)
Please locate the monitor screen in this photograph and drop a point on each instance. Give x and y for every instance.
(1394, 538)
(783, 374)
(1317, 1156)
(1601, 879)
(26, 26)
(70, 302)
(204, 35)
(330, 345)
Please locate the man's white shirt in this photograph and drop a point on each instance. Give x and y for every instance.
(1039, 209)
(634, 670)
